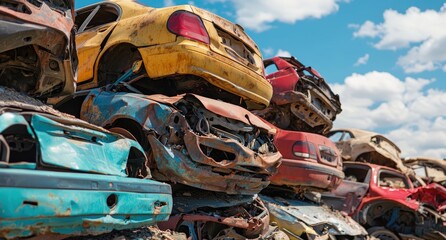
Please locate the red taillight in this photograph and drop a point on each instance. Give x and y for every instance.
(304, 149)
(188, 25)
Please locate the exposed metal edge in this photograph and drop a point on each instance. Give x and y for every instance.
(78, 181)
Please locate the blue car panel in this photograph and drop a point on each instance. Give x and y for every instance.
(61, 175)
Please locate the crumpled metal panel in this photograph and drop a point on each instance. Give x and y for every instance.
(213, 215)
(49, 179)
(429, 169)
(229, 150)
(365, 146)
(302, 100)
(37, 47)
(84, 150)
(298, 218)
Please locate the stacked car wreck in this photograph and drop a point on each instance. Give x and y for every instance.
(175, 126)
(184, 105)
(302, 108)
(60, 175)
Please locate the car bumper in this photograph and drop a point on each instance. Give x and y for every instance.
(301, 107)
(36, 202)
(295, 173)
(162, 61)
(192, 169)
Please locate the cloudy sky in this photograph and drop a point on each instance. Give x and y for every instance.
(385, 58)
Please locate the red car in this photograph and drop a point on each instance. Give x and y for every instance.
(302, 100)
(385, 202)
(309, 160)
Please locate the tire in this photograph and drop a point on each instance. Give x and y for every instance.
(382, 233)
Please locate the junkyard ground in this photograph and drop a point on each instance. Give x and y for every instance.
(144, 233)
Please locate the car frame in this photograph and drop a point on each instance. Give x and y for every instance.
(386, 203)
(62, 176)
(309, 161)
(429, 169)
(38, 47)
(212, 215)
(185, 49)
(303, 219)
(302, 100)
(365, 146)
(193, 140)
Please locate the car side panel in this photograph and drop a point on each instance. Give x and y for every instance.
(74, 204)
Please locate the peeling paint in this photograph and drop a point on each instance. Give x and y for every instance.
(210, 215)
(302, 100)
(193, 140)
(378, 196)
(304, 219)
(62, 176)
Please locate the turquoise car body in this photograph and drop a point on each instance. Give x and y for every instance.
(64, 176)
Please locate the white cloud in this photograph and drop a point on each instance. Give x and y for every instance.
(259, 14)
(283, 53)
(168, 3)
(362, 60)
(423, 32)
(409, 113)
(268, 51)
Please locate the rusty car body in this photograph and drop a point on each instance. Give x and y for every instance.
(37, 48)
(385, 202)
(309, 161)
(365, 146)
(429, 169)
(185, 49)
(190, 139)
(63, 176)
(212, 215)
(303, 219)
(302, 100)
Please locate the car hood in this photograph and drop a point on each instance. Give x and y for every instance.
(312, 215)
(218, 107)
(84, 147)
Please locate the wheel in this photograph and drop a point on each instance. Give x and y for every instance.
(382, 233)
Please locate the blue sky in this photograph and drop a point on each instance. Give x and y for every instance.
(385, 58)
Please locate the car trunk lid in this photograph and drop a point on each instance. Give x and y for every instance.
(232, 41)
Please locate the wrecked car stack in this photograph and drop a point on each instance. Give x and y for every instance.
(60, 175)
(385, 201)
(174, 125)
(303, 107)
(192, 141)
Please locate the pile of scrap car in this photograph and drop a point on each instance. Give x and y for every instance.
(165, 118)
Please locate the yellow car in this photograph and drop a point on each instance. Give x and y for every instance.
(183, 48)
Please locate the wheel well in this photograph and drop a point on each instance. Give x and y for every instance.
(380, 214)
(115, 62)
(134, 128)
(135, 167)
(71, 105)
(137, 164)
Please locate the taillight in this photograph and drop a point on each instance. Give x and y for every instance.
(304, 149)
(327, 154)
(188, 25)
